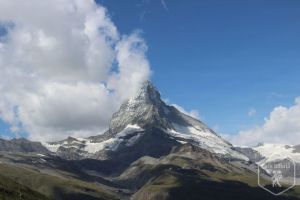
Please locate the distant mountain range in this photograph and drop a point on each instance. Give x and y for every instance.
(150, 151)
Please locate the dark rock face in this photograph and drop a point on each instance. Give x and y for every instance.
(296, 149)
(22, 145)
(253, 155)
(70, 153)
(154, 142)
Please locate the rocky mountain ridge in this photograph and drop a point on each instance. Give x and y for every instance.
(138, 118)
(22, 145)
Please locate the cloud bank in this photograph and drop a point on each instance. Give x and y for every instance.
(282, 126)
(65, 67)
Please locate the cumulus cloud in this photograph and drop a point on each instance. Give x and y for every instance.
(133, 65)
(64, 67)
(282, 126)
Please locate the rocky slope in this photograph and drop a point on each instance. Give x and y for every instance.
(190, 172)
(22, 145)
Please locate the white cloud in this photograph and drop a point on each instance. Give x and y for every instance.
(193, 113)
(64, 67)
(251, 112)
(134, 67)
(282, 126)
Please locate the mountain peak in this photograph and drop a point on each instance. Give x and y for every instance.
(143, 122)
(149, 88)
(147, 93)
(147, 111)
(143, 109)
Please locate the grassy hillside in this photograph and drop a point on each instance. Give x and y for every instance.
(14, 178)
(197, 174)
(178, 186)
(187, 173)
(10, 190)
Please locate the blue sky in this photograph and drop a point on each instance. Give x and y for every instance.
(223, 58)
(234, 61)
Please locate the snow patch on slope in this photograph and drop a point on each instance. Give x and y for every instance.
(91, 147)
(205, 139)
(51, 147)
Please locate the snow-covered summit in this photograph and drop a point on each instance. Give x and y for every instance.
(147, 109)
(143, 109)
